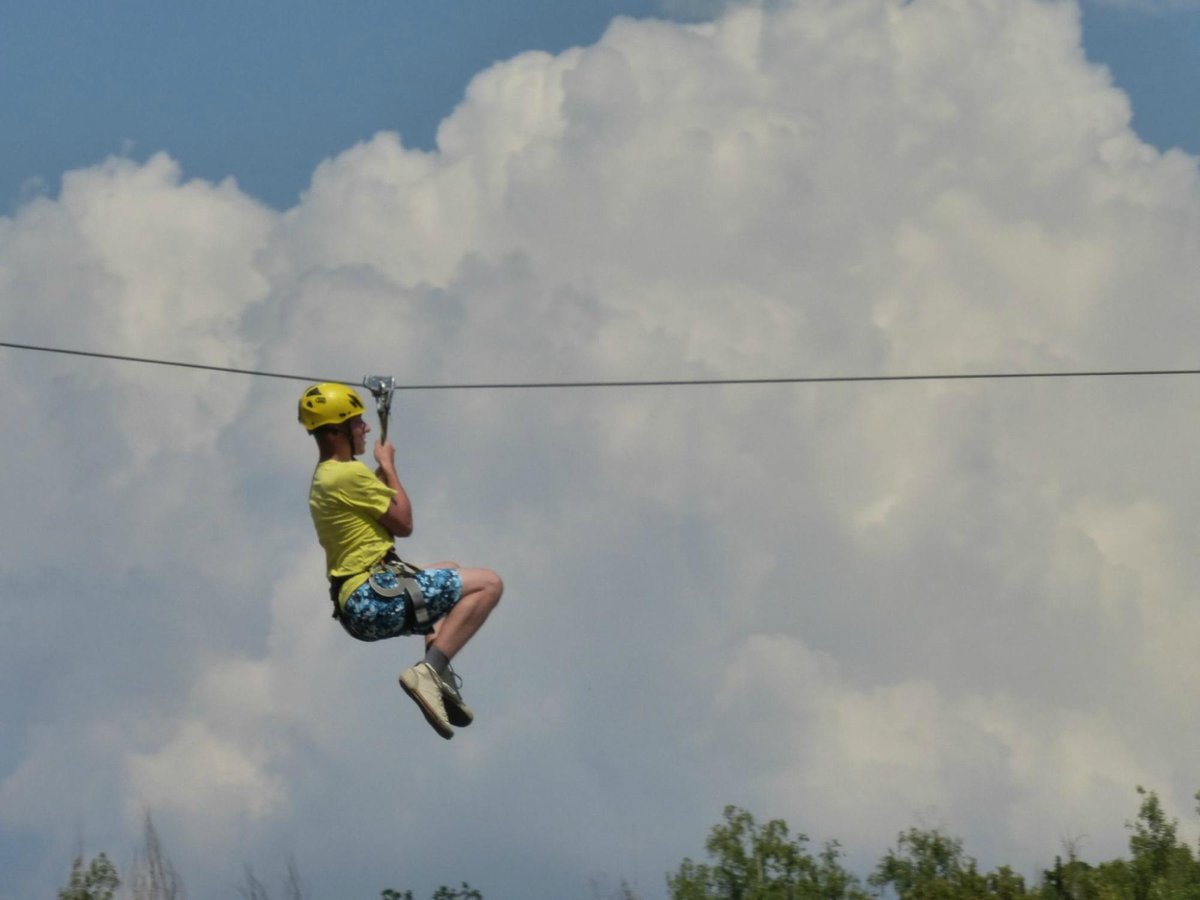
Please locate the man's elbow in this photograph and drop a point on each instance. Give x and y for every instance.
(402, 523)
(397, 524)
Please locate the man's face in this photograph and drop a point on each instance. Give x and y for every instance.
(359, 429)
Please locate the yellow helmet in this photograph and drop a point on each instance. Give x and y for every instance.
(329, 403)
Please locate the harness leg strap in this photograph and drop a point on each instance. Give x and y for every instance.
(417, 598)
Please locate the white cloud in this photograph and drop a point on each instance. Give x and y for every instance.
(199, 775)
(851, 605)
(876, 760)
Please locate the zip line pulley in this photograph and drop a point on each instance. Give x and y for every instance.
(381, 387)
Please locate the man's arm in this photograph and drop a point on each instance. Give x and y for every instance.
(398, 519)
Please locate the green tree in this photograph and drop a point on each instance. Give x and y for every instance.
(930, 865)
(98, 881)
(1077, 880)
(1161, 866)
(465, 892)
(762, 862)
(1005, 884)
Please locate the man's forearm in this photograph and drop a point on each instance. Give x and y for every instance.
(389, 477)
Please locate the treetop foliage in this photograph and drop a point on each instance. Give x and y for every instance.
(748, 860)
(763, 862)
(752, 861)
(98, 881)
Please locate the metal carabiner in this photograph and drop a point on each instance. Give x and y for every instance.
(381, 388)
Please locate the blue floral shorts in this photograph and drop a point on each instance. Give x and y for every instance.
(369, 616)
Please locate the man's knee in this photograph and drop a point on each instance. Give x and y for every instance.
(484, 584)
(494, 585)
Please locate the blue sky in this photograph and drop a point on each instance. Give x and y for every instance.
(1155, 58)
(260, 91)
(858, 608)
(264, 91)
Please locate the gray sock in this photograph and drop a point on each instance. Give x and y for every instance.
(437, 660)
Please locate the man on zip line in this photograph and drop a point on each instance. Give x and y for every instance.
(358, 515)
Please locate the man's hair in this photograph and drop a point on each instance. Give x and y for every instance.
(324, 432)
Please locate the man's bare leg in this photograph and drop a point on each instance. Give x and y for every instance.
(445, 564)
(481, 591)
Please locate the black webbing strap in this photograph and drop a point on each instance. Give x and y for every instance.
(335, 590)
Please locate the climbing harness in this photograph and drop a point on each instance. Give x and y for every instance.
(403, 581)
(404, 574)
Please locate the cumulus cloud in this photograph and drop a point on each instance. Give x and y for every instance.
(852, 606)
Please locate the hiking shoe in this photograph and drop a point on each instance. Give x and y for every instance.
(422, 684)
(457, 712)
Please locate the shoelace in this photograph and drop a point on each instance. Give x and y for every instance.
(453, 681)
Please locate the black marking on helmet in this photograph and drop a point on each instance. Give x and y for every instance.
(355, 402)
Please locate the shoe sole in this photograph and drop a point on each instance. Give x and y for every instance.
(430, 715)
(456, 711)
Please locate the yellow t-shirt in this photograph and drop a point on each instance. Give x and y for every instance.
(346, 501)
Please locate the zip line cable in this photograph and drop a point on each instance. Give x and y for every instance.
(681, 382)
(160, 362)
